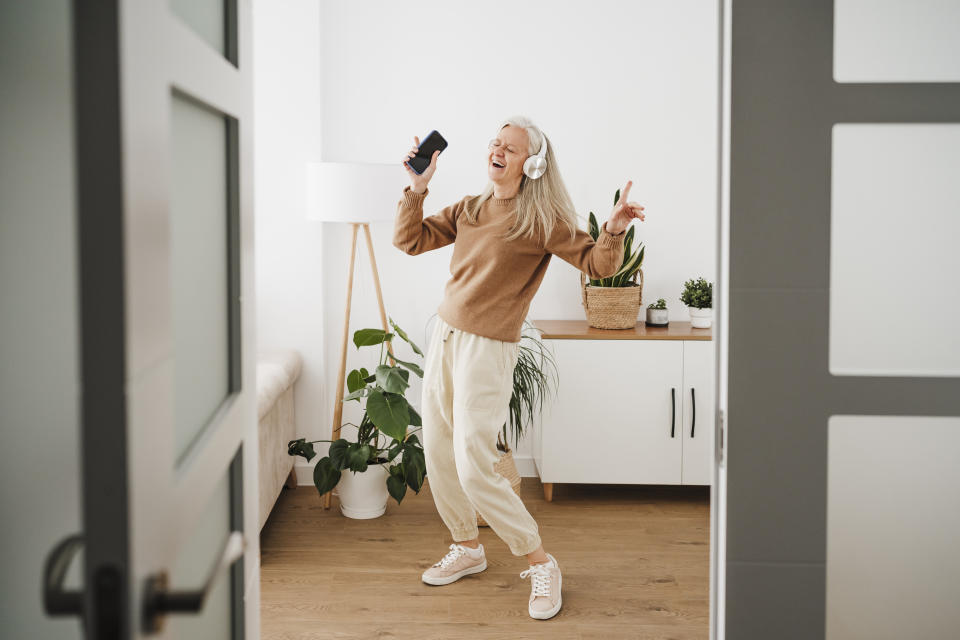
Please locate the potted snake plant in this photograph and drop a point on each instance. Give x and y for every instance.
(363, 493)
(614, 302)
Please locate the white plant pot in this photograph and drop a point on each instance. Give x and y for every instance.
(364, 495)
(701, 318)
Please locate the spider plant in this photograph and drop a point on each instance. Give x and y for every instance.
(632, 260)
(531, 383)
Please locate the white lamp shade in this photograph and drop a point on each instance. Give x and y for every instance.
(354, 191)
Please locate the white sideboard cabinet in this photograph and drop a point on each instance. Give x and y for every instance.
(632, 406)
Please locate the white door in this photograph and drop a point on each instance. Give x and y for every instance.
(169, 464)
(698, 412)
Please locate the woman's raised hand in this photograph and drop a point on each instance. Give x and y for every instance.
(418, 182)
(624, 211)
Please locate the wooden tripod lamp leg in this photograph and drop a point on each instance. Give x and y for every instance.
(341, 374)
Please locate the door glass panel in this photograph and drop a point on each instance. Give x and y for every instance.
(206, 18)
(200, 551)
(894, 226)
(896, 41)
(199, 244)
(893, 521)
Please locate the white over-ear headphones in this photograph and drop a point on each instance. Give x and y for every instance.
(536, 165)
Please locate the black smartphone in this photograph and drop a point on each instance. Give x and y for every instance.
(428, 145)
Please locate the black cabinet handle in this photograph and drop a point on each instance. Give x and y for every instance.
(693, 422)
(673, 408)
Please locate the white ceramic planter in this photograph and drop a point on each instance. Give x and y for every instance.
(364, 495)
(701, 318)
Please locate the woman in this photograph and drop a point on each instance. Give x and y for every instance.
(504, 239)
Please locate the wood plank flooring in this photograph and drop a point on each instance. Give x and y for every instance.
(635, 563)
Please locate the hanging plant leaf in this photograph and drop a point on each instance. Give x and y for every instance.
(301, 447)
(366, 337)
(396, 487)
(325, 475)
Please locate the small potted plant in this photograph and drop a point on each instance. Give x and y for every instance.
(658, 314)
(363, 493)
(615, 301)
(698, 296)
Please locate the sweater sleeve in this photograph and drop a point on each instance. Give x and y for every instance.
(600, 258)
(414, 234)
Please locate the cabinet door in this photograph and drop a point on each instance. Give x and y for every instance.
(698, 415)
(610, 421)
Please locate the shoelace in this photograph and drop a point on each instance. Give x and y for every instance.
(541, 579)
(455, 552)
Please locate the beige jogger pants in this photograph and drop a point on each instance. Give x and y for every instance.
(467, 384)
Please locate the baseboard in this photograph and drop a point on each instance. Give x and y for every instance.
(526, 467)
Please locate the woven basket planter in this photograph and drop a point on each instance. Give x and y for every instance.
(613, 307)
(506, 467)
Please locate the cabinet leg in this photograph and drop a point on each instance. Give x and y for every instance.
(548, 491)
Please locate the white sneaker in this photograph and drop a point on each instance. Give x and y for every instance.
(457, 563)
(546, 581)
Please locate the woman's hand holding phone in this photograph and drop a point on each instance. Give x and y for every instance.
(418, 182)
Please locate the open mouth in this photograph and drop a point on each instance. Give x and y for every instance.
(496, 165)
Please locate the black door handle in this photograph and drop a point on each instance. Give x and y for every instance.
(673, 408)
(56, 600)
(693, 422)
(159, 601)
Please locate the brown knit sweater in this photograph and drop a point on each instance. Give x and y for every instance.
(494, 280)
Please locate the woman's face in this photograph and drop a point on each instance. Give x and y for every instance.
(510, 154)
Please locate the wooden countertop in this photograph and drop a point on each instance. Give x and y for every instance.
(580, 330)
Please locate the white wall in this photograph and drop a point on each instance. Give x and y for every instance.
(625, 90)
(289, 266)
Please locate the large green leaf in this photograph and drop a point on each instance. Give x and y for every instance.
(358, 456)
(403, 334)
(389, 412)
(367, 337)
(415, 420)
(593, 228)
(356, 379)
(325, 475)
(616, 197)
(396, 487)
(392, 379)
(338, 453)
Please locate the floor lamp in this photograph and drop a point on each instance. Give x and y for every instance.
(355, 194)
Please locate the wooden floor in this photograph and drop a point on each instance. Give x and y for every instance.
(635, 563)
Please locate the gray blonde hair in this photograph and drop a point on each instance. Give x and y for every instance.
(541, 203)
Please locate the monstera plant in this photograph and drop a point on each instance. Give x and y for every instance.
(387, 411)
(632, 260)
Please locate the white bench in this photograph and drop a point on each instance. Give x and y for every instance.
(277, 370)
